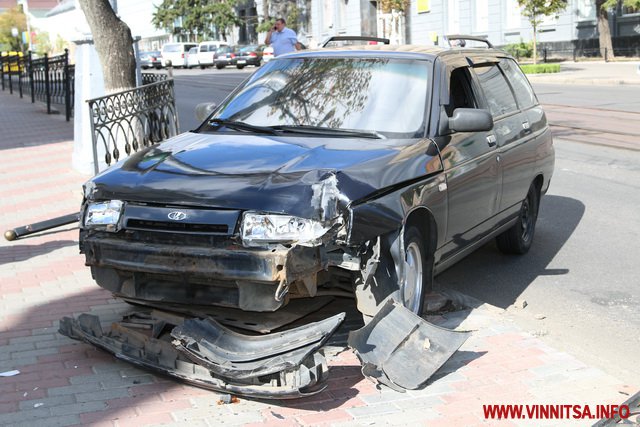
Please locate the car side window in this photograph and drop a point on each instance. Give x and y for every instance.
(460, 92)
(521, 87)
(496, 90)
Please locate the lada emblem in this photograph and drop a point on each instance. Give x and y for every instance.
(177, 215)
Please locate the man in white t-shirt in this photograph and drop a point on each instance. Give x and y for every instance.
(282, 39)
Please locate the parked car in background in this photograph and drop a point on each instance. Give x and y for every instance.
(224, 56)
(206, 50)
(267, 54)
(192, 57)
(176, 54)
(150, 59)
(249, 55)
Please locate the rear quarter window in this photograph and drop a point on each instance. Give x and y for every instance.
(496, 90)
(524, 93)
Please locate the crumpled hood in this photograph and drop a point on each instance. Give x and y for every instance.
(308, 177)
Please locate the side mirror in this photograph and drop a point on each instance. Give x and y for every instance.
(204, 110)
(470, 120)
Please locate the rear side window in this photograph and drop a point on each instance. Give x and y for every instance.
(524, 93)
(496, 90)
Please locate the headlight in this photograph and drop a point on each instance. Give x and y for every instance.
(259, 228)
(103, 215)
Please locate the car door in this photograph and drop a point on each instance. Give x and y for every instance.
(471, 170)
(519, 153)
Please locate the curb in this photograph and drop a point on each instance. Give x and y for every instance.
(535, 78)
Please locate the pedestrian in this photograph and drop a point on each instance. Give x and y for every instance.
(282, 39)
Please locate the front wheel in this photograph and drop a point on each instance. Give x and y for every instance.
(239, 67)
(417, 279)
(518, 239)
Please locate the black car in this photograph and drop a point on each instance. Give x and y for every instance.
(248, 55)
(369, 169)
(224, 56)
(150, 59)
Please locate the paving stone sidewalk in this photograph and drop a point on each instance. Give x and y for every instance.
(65, 382)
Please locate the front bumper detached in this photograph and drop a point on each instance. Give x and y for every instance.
(204, 353)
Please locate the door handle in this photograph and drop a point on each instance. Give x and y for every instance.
(491, 140)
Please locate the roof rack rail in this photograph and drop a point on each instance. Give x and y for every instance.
(463, 37)
(354, 39)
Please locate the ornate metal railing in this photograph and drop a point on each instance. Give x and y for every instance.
(148, 78)
(125, 122)
(46, 79)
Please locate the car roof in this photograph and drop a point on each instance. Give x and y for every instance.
(398, 51)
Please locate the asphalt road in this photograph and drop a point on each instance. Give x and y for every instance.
(581, 277)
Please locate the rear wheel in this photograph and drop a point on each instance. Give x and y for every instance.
(417, 281)
(239, 67)
(219, 66)
(518, 239)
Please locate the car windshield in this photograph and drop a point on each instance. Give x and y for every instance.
(172, 48)
(244, 49)
(388, 96)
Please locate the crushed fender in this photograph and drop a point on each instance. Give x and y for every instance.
(401, 350)
(284, 365)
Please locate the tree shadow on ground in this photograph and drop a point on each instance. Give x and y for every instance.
(22, 252)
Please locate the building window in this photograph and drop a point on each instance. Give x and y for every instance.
(514, 20)
(482, 16)
(453, 12)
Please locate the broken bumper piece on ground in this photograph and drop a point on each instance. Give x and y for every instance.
(283, 365)
(401, 350)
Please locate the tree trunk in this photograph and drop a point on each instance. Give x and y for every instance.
(535, 44)
(604, 32)
(114, 45)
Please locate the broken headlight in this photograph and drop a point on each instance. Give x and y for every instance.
(104, 215)
(259, 229)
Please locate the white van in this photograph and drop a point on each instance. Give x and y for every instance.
(206, 51)
(176, 53)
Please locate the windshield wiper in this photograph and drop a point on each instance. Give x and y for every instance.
(232, 124)
(319, 130)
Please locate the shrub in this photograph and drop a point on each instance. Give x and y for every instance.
(520, 50)
(540, 68)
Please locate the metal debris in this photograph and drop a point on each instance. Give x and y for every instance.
(401, 350)
(286, 365)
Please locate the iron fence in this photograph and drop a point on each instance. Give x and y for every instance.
(47, 79)
(148, 78)
(125, 122)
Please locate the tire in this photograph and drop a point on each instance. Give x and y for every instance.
(219, 66)
(202, 67)
(239, 67)
(417, 282)
(518, 239)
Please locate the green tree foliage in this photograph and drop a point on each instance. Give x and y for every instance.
(196, 20)
(535, 11)
(12, 18)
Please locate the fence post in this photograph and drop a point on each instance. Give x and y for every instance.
(2, 71)
(47, 87)
(31, 83)
(67, 93)
(10, 76)
(20, 69)
(545, 55)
